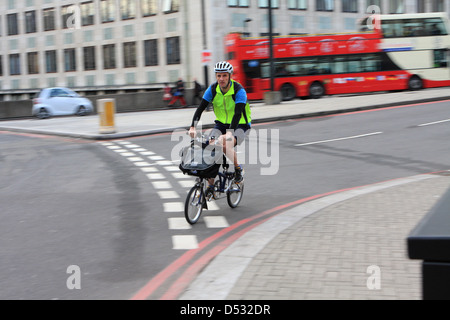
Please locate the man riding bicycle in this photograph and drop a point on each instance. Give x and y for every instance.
(233, 116)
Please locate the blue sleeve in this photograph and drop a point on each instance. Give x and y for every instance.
(241, 96)
(208, 94)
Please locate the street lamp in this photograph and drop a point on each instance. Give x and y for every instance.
(205, 41)
(272, 97)
(271, 47)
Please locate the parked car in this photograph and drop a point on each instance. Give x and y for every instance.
(60, 101)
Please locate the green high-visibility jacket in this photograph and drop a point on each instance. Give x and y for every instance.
(225, 105)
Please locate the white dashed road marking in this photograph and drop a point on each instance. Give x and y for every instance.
(151, 164)
(187, 242)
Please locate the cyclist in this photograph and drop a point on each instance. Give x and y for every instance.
(232, 111)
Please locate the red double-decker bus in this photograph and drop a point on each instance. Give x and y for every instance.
(312, 66)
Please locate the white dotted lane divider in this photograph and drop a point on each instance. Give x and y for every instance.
(156, 167)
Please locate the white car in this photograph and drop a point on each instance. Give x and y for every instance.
(60, 101)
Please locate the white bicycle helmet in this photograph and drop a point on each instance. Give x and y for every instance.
(223, 66)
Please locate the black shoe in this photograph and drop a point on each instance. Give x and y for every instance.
(239, 174)
(209, 193)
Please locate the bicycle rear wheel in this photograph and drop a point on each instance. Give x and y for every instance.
(194, 205)
(234, 194)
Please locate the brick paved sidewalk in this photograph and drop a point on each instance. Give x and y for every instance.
(326, 255)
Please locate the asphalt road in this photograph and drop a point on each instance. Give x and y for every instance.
(68, 202)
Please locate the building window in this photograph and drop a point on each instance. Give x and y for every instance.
(128, 9)
(30, 21)
(170, 6)
(1, 65)
(350, 6)
(173, 50)
(65, 15)
(438, 6)
(325, 23)
(297, 22)
(14, 64)
(373, 3)
(151, 52)
(89, 58)
(148, 7)
(50, 61)
(108, 10)
(87, 13)
(13, 27)
(420, 6)
(109, 56)
(324, 5)
(238, 3)
(33, 63)
(297, 4)
(396, 6)
(265, 4)
(49, 19)
(70, 63)
(129, 54)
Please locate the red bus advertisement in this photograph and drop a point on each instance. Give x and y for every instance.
(315, 65)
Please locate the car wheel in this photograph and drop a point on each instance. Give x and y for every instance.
(316, 90)
(82, 111)
(43, 113)
(415, 83)
(288, 92)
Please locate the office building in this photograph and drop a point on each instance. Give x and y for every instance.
(106, 46)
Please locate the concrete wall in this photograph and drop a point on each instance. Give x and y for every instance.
(127, 102)
(15, 109)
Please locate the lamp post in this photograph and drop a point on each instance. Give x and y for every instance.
(205, 43)
(271, 47)
(271, 97)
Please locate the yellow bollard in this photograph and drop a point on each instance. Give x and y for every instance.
(106, 110)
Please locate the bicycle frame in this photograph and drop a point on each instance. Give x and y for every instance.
(224, 186)
(225, 181)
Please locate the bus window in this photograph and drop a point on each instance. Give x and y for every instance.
(295, 68)
(281, 69)
(371, 63)
(265, 70)
(413, 27)
(435, 26)
(252, 69)
(310, 66)
(440, 58)
(355, 65)
(338, 64)
(364, 25)
(393, 28)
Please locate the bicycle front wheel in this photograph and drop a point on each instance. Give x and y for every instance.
(234, 194)
(194, 205)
